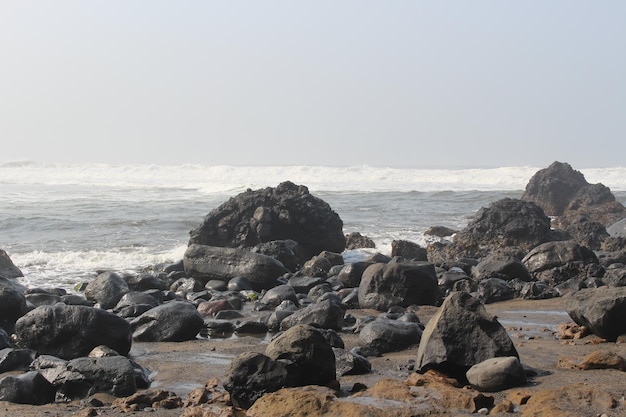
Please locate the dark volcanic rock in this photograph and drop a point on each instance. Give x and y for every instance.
(211, 262)
(325, 314)
(106, 289)
(355, 240)
(386, 335)
(385, 285)
(554, 187)
(601, 310)
(29, 388)
(564, 192)
(288, 252)
(408, 250)
(251, 375)
(508, 225)
(350, 275)
(556, 262)
(175, 321)
(308, 356)
(12, 301)
(460, 335)
(7, 267)
(71, 331)
(285, 212)
(491, 290)
(501, 266)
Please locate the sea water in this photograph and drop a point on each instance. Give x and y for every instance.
(61, 223)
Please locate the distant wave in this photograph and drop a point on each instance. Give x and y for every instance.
(225, 179)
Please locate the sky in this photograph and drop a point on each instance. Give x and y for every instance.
(382, 83)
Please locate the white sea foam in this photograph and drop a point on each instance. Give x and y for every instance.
(233, 179)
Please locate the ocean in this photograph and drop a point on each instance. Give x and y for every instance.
(61, 223)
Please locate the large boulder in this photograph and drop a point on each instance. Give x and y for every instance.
(403, 284)
(502, 267)
(29, 388)
(460, 335)
(211, 262)
(497, 374)
(71, 331)
(564, 192)
(325, 315)
(175, 321)
(82, 377)
(106, 289)
(601, 310)
(12, 301)
(508, 225)
(7, 267)
(308, 356)
(386, 335)
(558, 261)
(251, 375)
(285, 212)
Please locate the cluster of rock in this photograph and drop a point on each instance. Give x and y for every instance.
(270, 261)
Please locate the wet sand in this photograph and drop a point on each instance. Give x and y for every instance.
(182, 367)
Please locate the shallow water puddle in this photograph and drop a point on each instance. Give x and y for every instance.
(531, 323)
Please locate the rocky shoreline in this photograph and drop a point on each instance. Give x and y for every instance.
(516, 313)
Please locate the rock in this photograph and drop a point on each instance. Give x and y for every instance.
(154, 399)
(210, 262)
(279, 294)
(587, 233)
(561, 191)
(509, 226)
(217, 329)
(598, 359)
(350, 363)
(42, 299)
(7, 267)
(16, 359)
(408, 250)
(554, 187)
(239, 284)
(386, 335)
(252, 375)
(303, 284)
(134, 298)
(288, 252)
(615, 277)
(285, 212)
(356, 240)
(447, 279)
(211, 308)
(385, 285)
(145, 282)
(568, 400)
(491, 290)
(601, 310)
(251, 327)
(496, 374)
(12, 301)
(460, 335)
(350, 275)
(308, 356)
(552, 255)
(29, 388)
(71, 331)
(537, 290)
(571, 330)
(175, 321)
(5, 340)
(502, 267)
(617, 229)
(324, 314)
(106, 289)
(439, 231)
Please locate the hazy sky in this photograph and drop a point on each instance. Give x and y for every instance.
(385, 83)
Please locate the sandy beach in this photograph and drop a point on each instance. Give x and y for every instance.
(182, 367)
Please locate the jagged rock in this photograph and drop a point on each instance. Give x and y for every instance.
(408, 250)
(211, 262)
(106, 289)
(439, 231)
(508, 226)
(350, 363)
(497, 374)
(71, 331)
(491, 290)
(460, 335)
(351, 274)
(29, 388)
(285, 212)
(356, 240)
(7, 267)
(601, 310)
(308, 356)
(551, 255)
(385, 285)
(288, 252)
(16, 359)
(175, 321)
(12, 301)
(252, 375)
